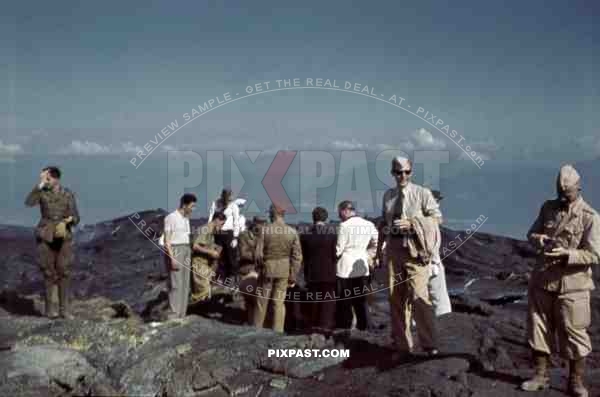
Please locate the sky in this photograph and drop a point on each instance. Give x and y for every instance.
(518, 80)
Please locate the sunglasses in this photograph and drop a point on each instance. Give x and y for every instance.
(399, 172)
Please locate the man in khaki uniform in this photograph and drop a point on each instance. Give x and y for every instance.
(567, 234)
(279, 257)
(54, 238)
(205, 256)
(248, 274)
(402, 206)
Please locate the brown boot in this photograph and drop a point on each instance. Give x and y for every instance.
(63, 293)
(577, 371)
(540, 380)
(51, 300)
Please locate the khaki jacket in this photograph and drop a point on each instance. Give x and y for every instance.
(247, 245)
(278, 251)
(54, 208)
(205, 238)
(578, 230)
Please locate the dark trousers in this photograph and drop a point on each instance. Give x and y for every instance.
(352, 294)
(321, 298)
(228, 255)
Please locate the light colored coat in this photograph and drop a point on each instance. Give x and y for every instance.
(577, 230)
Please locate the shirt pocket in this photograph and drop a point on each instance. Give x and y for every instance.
(573, 233)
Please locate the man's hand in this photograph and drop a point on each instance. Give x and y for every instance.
(557, 253)
(44, 178)
(402, 224)
(216, 253)
(540, 239)
(69, 219)
(174, 267)
(291, 283)
(234, 243)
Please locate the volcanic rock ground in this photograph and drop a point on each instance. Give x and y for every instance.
(117, 346)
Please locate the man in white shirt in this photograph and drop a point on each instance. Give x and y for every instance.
(356, 236)
(402, 206)
(242, 219)
(227, 238)
(178, 249)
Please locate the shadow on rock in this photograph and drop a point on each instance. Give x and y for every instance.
(220, 307)
(14, 303)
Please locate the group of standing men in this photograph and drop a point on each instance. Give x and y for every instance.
(338, 261)
(566, 233)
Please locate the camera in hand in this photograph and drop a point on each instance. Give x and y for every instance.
(395, 230)
(550, 244)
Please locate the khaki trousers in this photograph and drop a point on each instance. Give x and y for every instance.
(179, 282)
(55, 259)
(410, 297)
(565, 316)
(201, 275)
(271, 291)
(247, 287)
(55, 263)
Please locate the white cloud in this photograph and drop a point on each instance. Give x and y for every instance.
(85, 148)
(352, 144)
(10, 148)
(130, 147)
(423, 139)
(169, 148)
(91, 148)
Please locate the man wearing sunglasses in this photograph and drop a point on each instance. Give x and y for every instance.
(406, 208)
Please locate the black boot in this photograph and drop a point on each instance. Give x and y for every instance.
(63, 293)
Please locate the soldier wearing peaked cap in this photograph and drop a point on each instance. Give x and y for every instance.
(567, 236)
(54, 238)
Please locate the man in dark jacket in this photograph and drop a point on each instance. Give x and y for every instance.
(318, 251)
(54, 237)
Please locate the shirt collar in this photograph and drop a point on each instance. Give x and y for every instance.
(403, 189)
(61, 189)
(572, 207)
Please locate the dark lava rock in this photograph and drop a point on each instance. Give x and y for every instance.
(115, 347)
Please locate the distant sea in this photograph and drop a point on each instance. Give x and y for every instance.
(507, 194)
